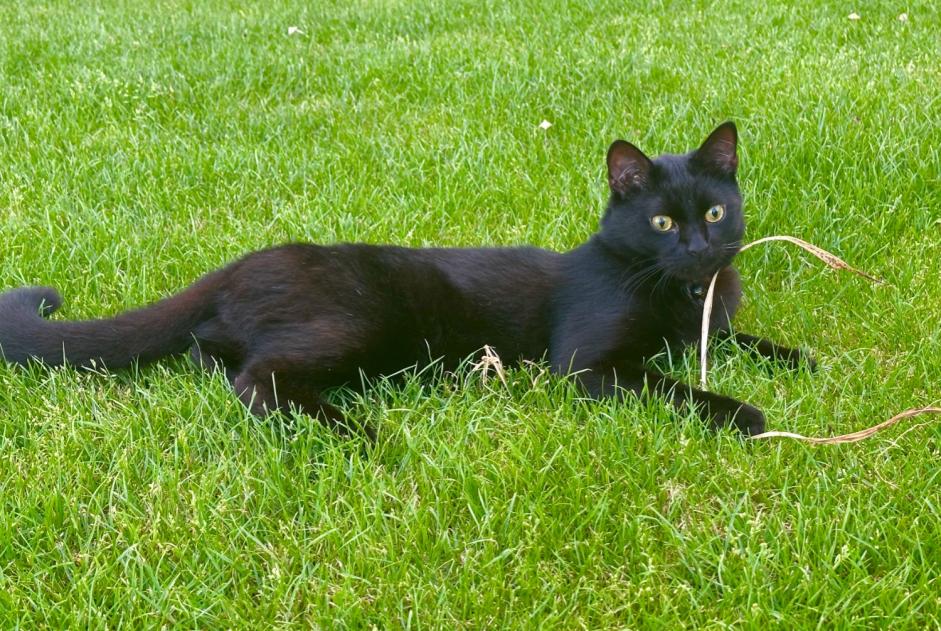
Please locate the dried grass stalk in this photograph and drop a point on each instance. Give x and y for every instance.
(855, 436)
(489, 361)
(830, 259)
(838, 264)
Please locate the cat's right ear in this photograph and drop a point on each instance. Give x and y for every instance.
(628, 168)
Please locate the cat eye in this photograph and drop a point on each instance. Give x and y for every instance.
(716, 213)
(661, 223)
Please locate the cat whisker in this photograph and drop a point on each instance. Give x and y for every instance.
(635, 281)
(642, 273)
(662, 281)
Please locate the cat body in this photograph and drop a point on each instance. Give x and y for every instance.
(289, 322)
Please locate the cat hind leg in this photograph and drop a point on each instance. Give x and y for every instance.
(265, 393)
(290, 366)
(214, 348)
(210, 362)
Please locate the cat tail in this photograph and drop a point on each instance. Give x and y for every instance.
(145, 334)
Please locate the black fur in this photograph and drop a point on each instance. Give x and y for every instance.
(289, 322)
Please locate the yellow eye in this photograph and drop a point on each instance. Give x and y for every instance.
(716, 213)
(661, 223)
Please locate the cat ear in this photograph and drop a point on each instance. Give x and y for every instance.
(628, 168)
(718, 154)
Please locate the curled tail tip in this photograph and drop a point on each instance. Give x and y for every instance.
(37, 300)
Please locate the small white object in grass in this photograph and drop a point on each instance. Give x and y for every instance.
(903, 17)
(854, 16)
(294, 30)
(545, 125)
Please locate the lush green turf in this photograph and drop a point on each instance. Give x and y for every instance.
(143, 144)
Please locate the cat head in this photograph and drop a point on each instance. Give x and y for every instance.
(682, 213)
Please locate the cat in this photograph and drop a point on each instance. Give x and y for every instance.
(288, 323)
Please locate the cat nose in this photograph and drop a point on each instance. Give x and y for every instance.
(696, 247)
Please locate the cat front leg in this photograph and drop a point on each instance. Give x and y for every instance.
(719, 410)
(790, 357)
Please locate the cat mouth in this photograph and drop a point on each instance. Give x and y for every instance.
(701, 268)
(699, 271)
(696, 291)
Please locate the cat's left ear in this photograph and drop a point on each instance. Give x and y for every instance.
(718, 153)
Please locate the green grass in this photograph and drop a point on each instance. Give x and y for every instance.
(145, 143)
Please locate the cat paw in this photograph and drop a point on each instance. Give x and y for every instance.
(749, 420)
(727, 412)
(794, 359)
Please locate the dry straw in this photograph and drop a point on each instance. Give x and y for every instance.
(837, 264)
(489, 361)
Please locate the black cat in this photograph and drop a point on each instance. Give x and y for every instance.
(289, 322)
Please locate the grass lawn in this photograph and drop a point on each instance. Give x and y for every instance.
(143, 144)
